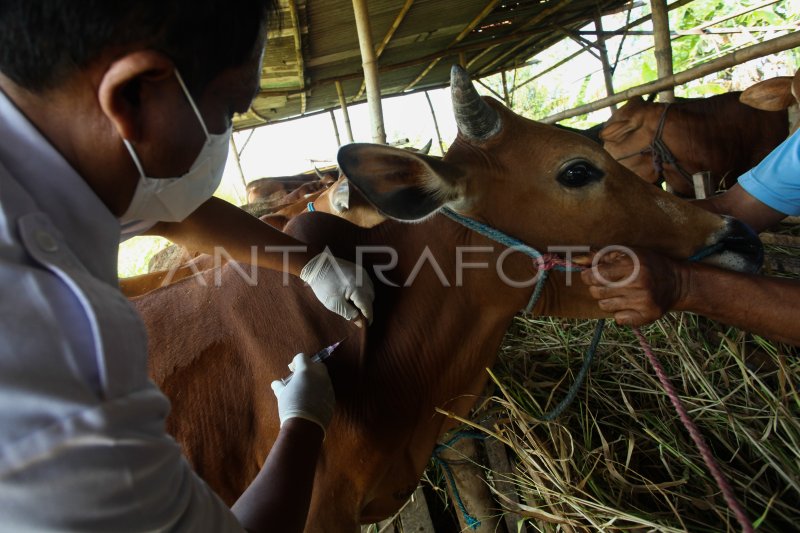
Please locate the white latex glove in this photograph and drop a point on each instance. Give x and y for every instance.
(334, 282)
(309, 394)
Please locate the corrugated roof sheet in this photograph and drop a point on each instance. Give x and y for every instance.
(299, 80)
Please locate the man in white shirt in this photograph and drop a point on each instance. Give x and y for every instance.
(117, 112)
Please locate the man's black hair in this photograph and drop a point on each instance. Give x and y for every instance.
(42, 42)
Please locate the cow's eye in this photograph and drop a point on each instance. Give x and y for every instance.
(578, 174)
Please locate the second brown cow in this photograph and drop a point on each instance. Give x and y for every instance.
(670, 142)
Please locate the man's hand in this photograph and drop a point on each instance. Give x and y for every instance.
(308, 395)
(636, 289)
(341, 286)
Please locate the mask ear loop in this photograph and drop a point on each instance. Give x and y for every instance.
(135, 158)
(129, 146)
(191, 102)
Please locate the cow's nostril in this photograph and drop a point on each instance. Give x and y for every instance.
(742, 250)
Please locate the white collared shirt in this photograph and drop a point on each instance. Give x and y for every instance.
(82, 439)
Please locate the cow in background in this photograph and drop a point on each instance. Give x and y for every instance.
(776, 94)
(670, 142)
(176, 263)
(214, 348)
(287, 189)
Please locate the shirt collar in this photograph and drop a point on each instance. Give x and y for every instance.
(90, 230)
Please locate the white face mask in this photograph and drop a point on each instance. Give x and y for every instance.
(174, 199)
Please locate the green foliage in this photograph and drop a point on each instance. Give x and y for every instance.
(563, 88)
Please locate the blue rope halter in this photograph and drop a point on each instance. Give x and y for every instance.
(511, 242)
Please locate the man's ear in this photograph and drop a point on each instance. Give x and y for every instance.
(403, 185)
(120, 89)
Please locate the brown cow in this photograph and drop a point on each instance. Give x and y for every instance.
(670, 142)
(776, 94)
(276, 190)
(215, 349)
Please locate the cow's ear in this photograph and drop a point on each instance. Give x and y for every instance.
(774, 94)
(617, 131)
(402, 185)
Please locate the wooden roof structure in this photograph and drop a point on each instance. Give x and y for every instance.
(415, 42)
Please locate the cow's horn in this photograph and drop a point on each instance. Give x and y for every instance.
(474, 118)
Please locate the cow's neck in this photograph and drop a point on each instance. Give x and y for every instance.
(433, 337)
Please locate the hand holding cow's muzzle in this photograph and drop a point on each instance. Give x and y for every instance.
(341, 286)
(308, 395)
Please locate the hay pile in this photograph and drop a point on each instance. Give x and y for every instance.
(619, 458)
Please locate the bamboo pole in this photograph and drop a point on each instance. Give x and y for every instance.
(601, 47)
(540, 17)
(388, 37)
(435, 123)
(505, 89)
(633, 24)
(242, 197)
(343, 103)
(298, 52)
(370, 66)
(495, 93)
(663, 51)
(773, 46)
(335, 128)
(466, 31)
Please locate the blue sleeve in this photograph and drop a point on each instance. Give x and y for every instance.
(775, 181)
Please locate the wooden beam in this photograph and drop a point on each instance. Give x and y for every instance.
(474, 22)
(772, 46)
(624, 29)
(388, 37)
(663, 45)
(335, 128)
(601, 47)
(694, 31)
(530, 22)
(714, 22)
(435, 123)
(242, 197)
(452, 52)
(370, 66)
(294, 20)
(586, 45)
(538, 18)
(505, 89)
(343, 103)
(482, 84)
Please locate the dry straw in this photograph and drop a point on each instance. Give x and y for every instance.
(619, 459)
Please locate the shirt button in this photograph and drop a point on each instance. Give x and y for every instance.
(46, 241)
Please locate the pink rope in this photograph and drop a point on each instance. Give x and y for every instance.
(697, 437)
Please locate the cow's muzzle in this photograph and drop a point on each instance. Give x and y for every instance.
(739, 248)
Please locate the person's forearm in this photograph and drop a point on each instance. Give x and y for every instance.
(279, 497)
(763, 305)
(220, 227)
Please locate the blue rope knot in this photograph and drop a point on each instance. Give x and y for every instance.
(511, 242)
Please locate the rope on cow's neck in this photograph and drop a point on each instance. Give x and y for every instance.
(472, 522)
(548, 263)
